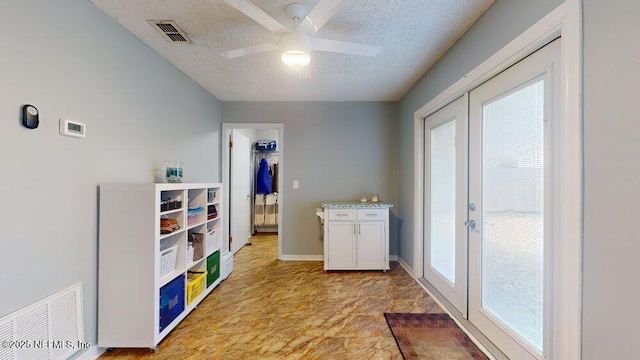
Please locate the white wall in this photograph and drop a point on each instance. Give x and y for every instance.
(338, 151)
(611, 285)
(267, 134)
(71, 61)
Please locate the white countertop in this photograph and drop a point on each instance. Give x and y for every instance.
(354, 204)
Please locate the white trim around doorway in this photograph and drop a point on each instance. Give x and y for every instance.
(565, 21)
(226, 133)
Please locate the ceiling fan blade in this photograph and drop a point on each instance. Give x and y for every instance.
(249, 50)
(344, 47)
(248, 8)
(320, 14)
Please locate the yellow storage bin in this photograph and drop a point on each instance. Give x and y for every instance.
(195, 285)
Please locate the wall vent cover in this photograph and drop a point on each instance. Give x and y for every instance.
(50, 329)
(170, 30)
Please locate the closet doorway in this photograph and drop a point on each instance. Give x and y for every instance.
(253, 207)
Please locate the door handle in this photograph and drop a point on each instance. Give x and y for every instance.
(471, 225)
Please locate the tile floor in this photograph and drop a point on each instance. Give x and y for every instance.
(270, 309)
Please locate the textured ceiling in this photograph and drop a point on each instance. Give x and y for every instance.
(413, 35)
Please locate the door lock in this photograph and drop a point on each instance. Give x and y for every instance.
(471, 224)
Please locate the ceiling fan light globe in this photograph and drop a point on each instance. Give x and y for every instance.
(296, 49)
(295, 58)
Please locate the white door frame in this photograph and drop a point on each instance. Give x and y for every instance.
(564, 21)
(226, 134)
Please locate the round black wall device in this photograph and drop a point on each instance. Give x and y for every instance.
(30, 116)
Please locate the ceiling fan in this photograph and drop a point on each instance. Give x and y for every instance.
(296, 43)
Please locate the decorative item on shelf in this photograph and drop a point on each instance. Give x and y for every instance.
(193, 213)
(211, 195)
(169, 225)
(374, 198)
(173, 171)
(212, 212)
(198, 245)
(363, 198)
(170, 204)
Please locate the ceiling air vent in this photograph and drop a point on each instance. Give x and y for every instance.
(170, 31)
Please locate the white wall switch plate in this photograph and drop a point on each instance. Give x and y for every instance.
(296, 184)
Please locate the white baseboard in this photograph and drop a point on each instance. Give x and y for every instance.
(91, 354)
(302, 258)
(319, 258)
(407, 268)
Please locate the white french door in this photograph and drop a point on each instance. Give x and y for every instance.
(488, 209)
(445, 265)
(510, 189)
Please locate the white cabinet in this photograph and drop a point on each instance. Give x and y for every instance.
(340, 252)
(145, 268)
(356, 236)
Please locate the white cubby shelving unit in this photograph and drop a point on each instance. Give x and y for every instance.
(137, 307)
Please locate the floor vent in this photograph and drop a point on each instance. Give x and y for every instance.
(50, 329)
(170, 31)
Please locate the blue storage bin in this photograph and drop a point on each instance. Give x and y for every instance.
(171, 301)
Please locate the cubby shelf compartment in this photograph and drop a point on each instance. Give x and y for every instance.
(170, 276)
(130, 284)
(195, 263)
(169, 212)
(175, 233)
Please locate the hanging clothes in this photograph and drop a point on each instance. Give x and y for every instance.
(274, 177)
(263, 182)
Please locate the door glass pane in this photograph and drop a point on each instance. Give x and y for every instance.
(442, 200)
(513, 210)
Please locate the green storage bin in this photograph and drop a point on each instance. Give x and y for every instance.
(213, 268)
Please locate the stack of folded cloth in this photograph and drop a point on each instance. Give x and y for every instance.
(265, 145)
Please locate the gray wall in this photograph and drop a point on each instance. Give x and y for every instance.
(504, 21)
(612, 168)
(71, 61)
(338, 151)
(611, 156)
